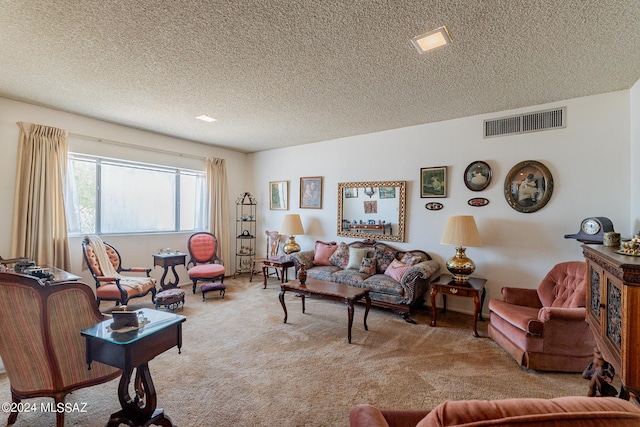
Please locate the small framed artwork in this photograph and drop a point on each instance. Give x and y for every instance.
(311, 192)
(350, 193)
(528, 186)
(279, 195)
(433, 182)
(477, 175)
(371, 207)
(387, 192)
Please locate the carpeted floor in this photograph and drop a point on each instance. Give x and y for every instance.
(242, 366)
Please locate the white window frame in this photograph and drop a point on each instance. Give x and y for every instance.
(72, 204)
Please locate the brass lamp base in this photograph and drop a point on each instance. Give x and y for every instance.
(460, 266)
(291, 247)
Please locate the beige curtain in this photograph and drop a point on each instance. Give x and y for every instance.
(219, 196)
(39, 228)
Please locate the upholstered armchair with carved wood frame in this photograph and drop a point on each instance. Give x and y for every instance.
(204, 263)
(40, 342)
(110, 288)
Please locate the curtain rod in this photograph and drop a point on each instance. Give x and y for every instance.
(140, 147)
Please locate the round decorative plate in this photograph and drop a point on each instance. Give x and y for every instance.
(478, 201)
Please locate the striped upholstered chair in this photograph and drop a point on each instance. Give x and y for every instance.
(40, 342)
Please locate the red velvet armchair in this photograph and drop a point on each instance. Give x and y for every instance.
(545, 329)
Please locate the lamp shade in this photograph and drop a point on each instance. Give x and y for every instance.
(291, 225)
(461, 231)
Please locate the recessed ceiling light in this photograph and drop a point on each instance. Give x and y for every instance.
(206, 118)
(431, 40)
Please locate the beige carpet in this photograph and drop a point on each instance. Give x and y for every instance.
(242, 366)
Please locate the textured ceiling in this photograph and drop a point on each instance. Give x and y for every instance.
(283, 73)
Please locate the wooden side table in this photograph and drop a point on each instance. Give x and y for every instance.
(133, 350)
(282, 263)
(169, 260)
(474, 288)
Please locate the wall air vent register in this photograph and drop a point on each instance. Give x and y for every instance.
(525, 123)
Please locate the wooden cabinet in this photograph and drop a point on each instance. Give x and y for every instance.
(613, 310)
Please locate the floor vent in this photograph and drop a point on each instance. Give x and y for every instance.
(529, 122)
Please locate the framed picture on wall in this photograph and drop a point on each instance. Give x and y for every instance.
(528, 186)
(350, 193)
(477, 176)
(433, 182)
(279, 195)
(387, 192)
(311, 192)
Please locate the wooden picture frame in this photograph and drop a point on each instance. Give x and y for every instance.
(528, 186)
(433, 182)
(311, 192)
(477, 175)
(279, 195)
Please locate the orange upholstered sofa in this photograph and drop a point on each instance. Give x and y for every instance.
(559, 412)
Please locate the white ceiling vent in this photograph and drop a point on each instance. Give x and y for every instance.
(529, 122)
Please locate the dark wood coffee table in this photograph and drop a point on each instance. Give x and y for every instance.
(329, 290)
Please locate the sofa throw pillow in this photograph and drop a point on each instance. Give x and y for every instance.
(384, 255)
(368, 266)
(355, 257)
(410, 259)
(396, 270)
(340, 257)
(323, 252)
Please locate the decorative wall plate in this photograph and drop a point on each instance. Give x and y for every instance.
(433, 206)
(478, 201)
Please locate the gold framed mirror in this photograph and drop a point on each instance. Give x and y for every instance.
(372, 210)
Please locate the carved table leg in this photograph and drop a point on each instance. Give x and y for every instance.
(434, 292)
(140, 410)
(484, 293)
(284, 307)
(170, 284)
(366, 310)
(264, 275)
(476, 310)
(350, 311)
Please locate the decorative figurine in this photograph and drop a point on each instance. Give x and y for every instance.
(302, 275)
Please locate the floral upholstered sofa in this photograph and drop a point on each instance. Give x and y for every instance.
(397, 280)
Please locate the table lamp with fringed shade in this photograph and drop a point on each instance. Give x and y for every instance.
(461, 231)
(291, 225)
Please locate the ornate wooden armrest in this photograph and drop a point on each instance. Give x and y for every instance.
(137, 270)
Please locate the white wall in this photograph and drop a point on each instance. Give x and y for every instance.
(136, 250)
(588, 161)
(634, 158)
(591, 162)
